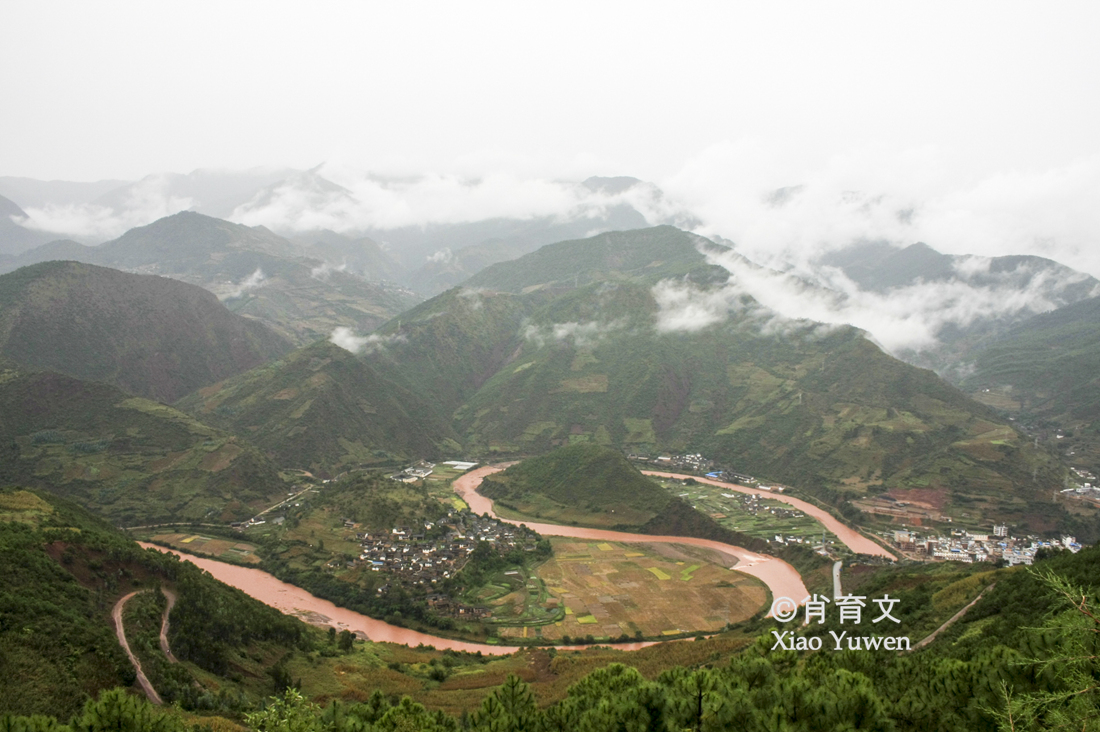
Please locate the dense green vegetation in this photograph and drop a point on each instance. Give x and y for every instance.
(322, 409)
(61, 571)
(829, 413)
(131, 460)
(584, 483)
(149, 336)
(1022, 660)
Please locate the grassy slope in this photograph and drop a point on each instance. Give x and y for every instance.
(151, 336)
(322, 408)
(131, 460)
(61, 571)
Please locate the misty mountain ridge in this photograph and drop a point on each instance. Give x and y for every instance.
(253, 271)
(428, 254)
(14, 237)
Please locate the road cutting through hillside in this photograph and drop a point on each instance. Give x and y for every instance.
(851, 538)
(781, 578)
(120, 631)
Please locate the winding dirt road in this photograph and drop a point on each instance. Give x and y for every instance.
(120, 631)
(171, 597)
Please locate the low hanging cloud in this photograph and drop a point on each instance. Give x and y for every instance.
(902, 319)
(347, 339)
(143, 203)
(346, 201)
(581, 335)
(785, 213)
(248, 284)
(325, 269)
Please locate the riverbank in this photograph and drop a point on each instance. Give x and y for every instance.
(781, 578)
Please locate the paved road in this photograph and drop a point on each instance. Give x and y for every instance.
(142, 679)
(837, 592)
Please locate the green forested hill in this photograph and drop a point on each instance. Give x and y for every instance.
(580, 480)
(531, 362)
(61, 571)
(151, 336)
(827, 412)
(321, 408)
(446, 348)
(129, 459)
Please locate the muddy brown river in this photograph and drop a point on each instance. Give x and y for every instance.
(781, 578)
(851, 538)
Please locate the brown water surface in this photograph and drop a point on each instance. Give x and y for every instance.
(851, 538)
(296, 601)
(781, 578)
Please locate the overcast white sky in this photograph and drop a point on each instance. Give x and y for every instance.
(983, 115)
(96, 90)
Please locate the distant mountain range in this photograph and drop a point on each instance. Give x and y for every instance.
(254, 271)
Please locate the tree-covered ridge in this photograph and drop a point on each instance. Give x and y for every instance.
(978, 676)
(584, 479)
(130, 459)
(638, 255)
(61, 572)
(150, 336)
(322, 409)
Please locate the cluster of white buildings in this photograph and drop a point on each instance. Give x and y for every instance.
(1087, 488)
(963, 546)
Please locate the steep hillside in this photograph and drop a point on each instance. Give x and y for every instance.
(628, 364)
(151, 336)
(446, 348)
(61, 571)
(641, 255)
(1044, 372)
(253, 271)
(1049, 363)
(323, 409)
(128, 459)
(827, 412)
